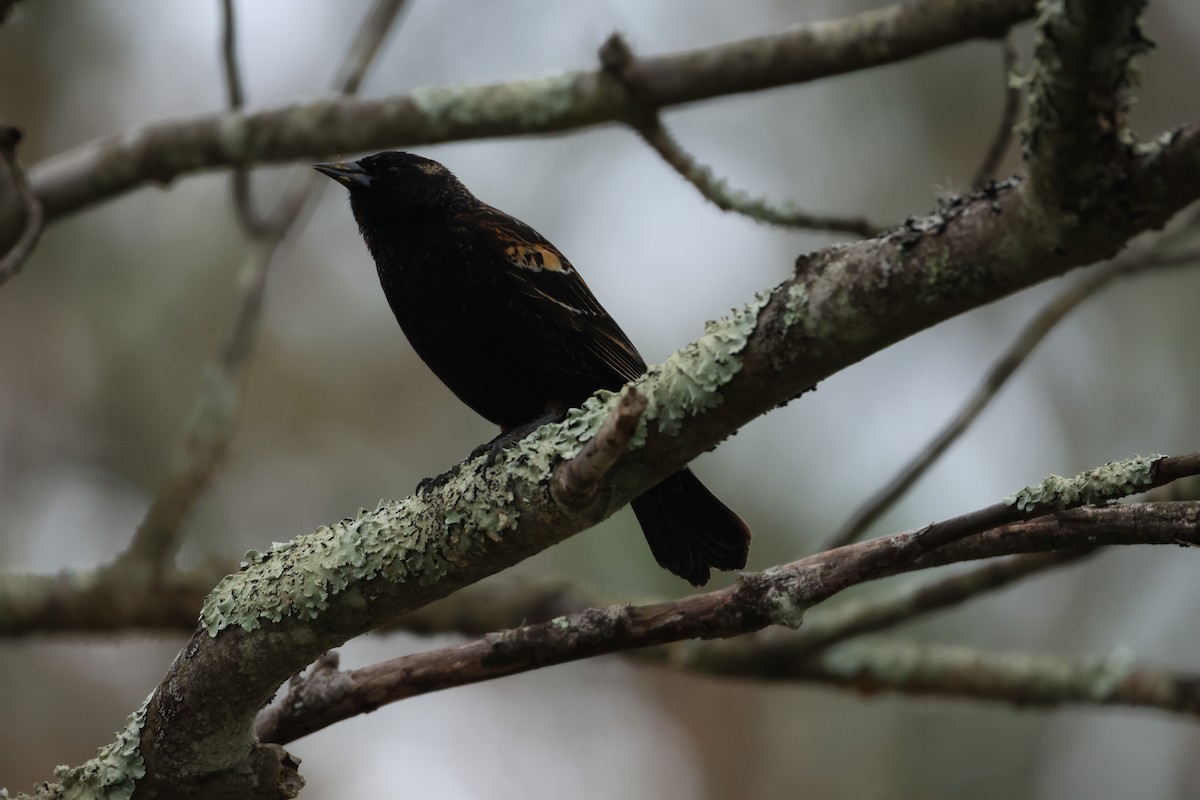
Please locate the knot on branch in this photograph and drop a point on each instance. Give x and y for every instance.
(618, 62)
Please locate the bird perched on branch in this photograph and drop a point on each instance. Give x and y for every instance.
(505, 321)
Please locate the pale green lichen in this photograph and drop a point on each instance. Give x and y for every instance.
(1107, 675)
(1113, 480)
(795, 308)
(1032, 678)
(111, 775)
(947, 276)
(532, 103)
(782, 596)
(398, 541)
(689, 382)
(532, 458)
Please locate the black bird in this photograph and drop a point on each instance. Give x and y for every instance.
(505, 321)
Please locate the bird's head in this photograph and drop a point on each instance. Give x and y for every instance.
(397, 183)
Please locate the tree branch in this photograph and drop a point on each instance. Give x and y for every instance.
(1020, 679)
(777, 595)
(108, 600)
(577, 481)
(1076, 139)
(163, 151)
(617, 60)
(1034, 332)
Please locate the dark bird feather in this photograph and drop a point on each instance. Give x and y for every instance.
(508, 324)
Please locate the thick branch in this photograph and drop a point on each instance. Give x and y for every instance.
(1076, 139)
(163, 151)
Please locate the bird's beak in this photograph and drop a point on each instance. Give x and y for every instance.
(347, 173)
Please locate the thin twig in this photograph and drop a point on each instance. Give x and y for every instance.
(211, 424)
(577, 480)
(1012, 678)
(825, 627)
(231, 70)
(1018, 352)
(1008, 117)
(617, 61)
(35, 219)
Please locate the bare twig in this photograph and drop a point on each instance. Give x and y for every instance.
(735, 610)
(31, 230)
(1172, 523)
(617, 60)
(1008, 117)
(211, 425)
(243, 199)
(884, 609)
(576, 481)
(1018, 352)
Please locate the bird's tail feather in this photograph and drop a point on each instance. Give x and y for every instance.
(689, 530)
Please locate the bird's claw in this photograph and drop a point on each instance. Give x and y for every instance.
(426, 485)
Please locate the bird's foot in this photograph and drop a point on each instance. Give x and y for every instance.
(426, 485)
(493, 448)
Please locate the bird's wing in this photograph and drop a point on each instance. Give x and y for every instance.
(545, 277)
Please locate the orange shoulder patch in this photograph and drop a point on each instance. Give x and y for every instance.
(535, 257)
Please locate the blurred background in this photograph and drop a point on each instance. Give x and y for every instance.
(104, 337)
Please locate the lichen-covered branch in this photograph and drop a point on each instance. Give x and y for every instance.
(1030, 336)
(161, 152)
(1076, 138)
(1173, 522)
(1020, 679)
(617, 60)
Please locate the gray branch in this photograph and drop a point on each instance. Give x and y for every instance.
(160, 152)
